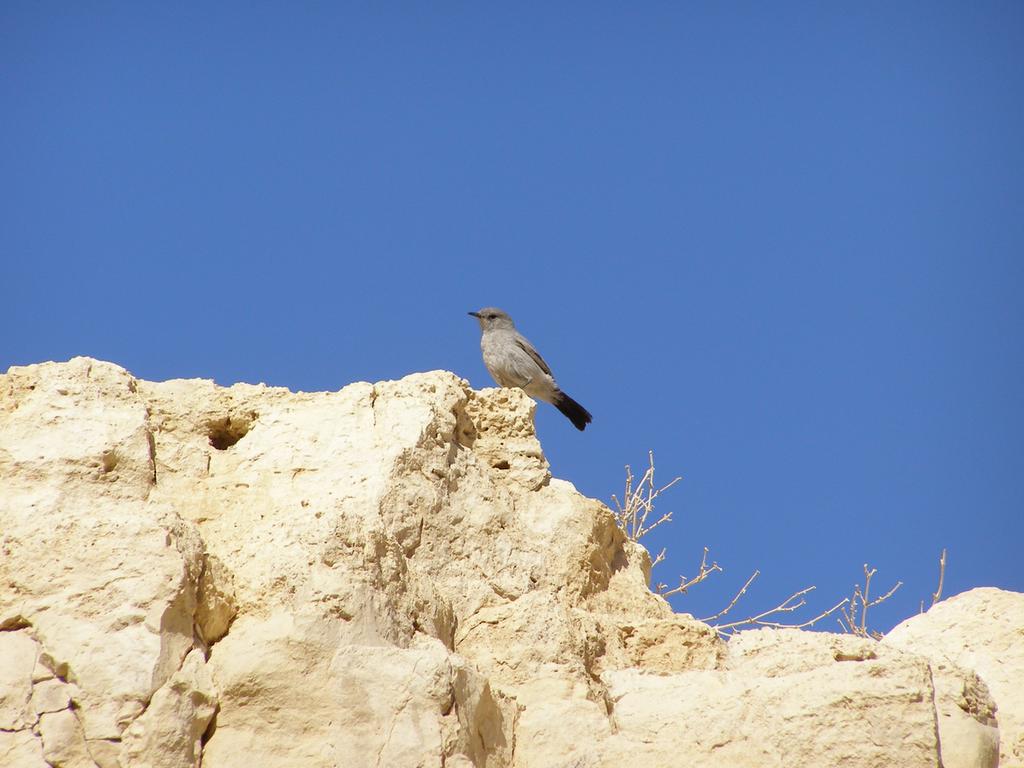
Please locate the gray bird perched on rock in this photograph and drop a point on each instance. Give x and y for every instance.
(513, 362)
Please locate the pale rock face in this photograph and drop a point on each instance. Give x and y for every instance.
(100, 575)
(980, 630)
(786, 698)
(381, 576)
(169, 733)
(18, 654)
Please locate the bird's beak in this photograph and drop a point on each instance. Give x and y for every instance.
(474, 314)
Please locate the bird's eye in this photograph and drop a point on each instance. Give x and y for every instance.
(491, 317)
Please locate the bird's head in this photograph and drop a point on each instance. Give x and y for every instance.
(491, 318)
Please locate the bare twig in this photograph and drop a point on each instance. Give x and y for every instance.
(634, 511)
(638, 503)
(850, 626)
(786, 606)
(684, 583)
(659, 558)
(937, 594)
(790, 604)
(809, 622)
(735, 599)
(857, 614)
(867, 591)
(887, 595)
(633, 515)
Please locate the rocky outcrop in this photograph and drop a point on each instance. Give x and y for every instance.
(384, 576)
(787, 697)
(983, 631)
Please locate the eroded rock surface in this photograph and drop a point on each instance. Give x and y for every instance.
(382, 576)
(983, 631)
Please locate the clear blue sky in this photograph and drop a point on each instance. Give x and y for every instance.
(782, 245)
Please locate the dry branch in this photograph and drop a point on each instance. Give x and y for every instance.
(937, 594)
(638, 503)
(684, 583)
(857, 614)
(790, 604)
(636, 509)
(735, 599)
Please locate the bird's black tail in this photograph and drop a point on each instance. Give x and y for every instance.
(576, 413)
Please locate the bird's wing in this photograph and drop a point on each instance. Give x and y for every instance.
(533, 353)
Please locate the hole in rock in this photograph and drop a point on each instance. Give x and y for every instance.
(109, 461)
(224, 433)
(501, 464)
(14, 623)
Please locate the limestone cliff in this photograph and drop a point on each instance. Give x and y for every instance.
(388, 576)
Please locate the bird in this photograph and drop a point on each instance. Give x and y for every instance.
(512, 361)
